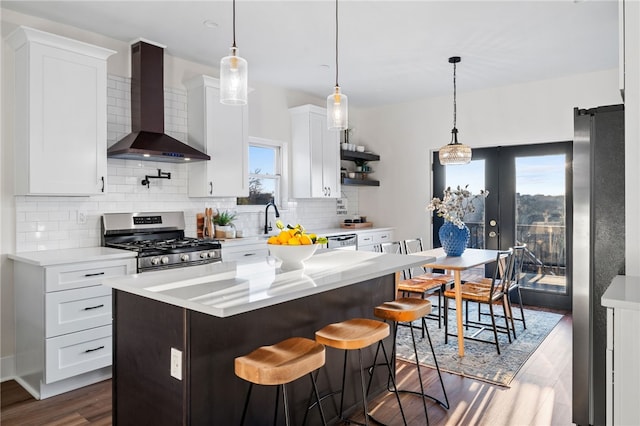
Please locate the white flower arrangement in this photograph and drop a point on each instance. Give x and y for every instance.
(455, 204)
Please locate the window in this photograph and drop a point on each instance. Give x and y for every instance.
(267, 163)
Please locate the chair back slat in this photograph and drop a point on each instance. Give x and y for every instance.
(413, 245)
(503, 274)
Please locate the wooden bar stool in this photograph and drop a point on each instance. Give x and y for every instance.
(352, 334)
(403, 312)
(280, 364)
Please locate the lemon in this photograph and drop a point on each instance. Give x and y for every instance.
(279, 224)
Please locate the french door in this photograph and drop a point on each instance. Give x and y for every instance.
(529, 202)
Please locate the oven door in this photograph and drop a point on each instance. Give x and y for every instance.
(342, 241)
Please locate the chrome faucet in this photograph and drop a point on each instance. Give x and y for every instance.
(267, 226)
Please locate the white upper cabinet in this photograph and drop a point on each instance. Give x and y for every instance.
(60, 133)
(315, 154)
(221, 132)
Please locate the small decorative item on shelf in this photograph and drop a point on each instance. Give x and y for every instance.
(293, 245)
(455, 204)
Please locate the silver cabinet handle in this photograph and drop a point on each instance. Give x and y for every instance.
(211, 188)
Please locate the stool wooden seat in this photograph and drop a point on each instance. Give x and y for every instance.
(404, 311)
(280, 364)
(352, 334)
(356, 334)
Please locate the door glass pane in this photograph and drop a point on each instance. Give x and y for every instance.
(471, 174)
(541, 221)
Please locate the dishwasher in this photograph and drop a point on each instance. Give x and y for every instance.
(342, 241)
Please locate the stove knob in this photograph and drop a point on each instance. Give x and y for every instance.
(212, 254)
(164, 260)
(155, 261)
(203, 255)
(184, 257)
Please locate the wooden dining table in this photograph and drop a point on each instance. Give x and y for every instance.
(470, 258)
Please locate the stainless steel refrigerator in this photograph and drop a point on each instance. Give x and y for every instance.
(598, 249)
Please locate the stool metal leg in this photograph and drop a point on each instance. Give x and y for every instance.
(435, 360)
(246, 404)
(315, 390)
(285, 402)
(275, 412)
(415, 351)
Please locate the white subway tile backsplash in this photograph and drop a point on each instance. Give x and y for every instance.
(49, 223)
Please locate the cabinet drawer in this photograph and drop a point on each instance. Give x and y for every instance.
(65, 277)
(365, 239)
(77, 353)
(78, 309)
(382, 237)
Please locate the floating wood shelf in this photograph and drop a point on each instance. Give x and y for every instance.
(355, 155)
(362, 182)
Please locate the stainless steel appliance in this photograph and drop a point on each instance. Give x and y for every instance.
(598, 249)
(342, 241)
(159, 240)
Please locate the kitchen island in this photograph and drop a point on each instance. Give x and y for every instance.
(208, 315)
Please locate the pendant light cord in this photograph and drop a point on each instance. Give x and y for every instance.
(234, 23)
(336, 43)
(454, 95)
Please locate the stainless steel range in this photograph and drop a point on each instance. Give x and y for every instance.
(159, 240)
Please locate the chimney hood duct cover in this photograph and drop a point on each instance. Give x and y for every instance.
(148, 140)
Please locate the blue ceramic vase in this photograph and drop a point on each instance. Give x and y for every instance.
(453, 239)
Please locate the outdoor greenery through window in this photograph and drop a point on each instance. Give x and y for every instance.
(265, 171)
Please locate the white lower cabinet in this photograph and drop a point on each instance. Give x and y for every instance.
(63, 324)
(367, 241)
(622, 300)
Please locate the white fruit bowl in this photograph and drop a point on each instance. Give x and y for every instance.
(292, 257)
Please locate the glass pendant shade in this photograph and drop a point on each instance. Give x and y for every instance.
(454, 152)
(337, 110)
(233, 79)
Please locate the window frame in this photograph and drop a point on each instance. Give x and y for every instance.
(282, 171)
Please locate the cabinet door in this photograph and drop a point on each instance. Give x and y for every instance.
(315, 152)
(220, 131)
(61, 115)
(331, 162)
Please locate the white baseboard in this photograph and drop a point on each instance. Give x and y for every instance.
(7, 368)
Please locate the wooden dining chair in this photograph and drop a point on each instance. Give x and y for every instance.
(514, 287)
(420, 281)
(485, 294)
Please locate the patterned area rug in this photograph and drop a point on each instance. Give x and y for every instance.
(481, 360)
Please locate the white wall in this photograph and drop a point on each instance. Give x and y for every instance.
(405, 136)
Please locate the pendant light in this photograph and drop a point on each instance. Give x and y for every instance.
(337, 103)
(233, 74)
(454, 152)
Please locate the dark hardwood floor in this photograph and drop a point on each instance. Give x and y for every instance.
(540, 394)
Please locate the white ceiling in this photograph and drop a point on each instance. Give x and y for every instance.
(390, 51)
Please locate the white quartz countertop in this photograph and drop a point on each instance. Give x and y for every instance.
(229, 288)
(62, 256)
(624, 292)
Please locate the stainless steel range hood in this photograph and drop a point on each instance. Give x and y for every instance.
(148, 141)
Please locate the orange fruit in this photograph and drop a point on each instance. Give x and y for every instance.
(273, 240)
(305, 240)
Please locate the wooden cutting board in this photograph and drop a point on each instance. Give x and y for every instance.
(356, 225)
